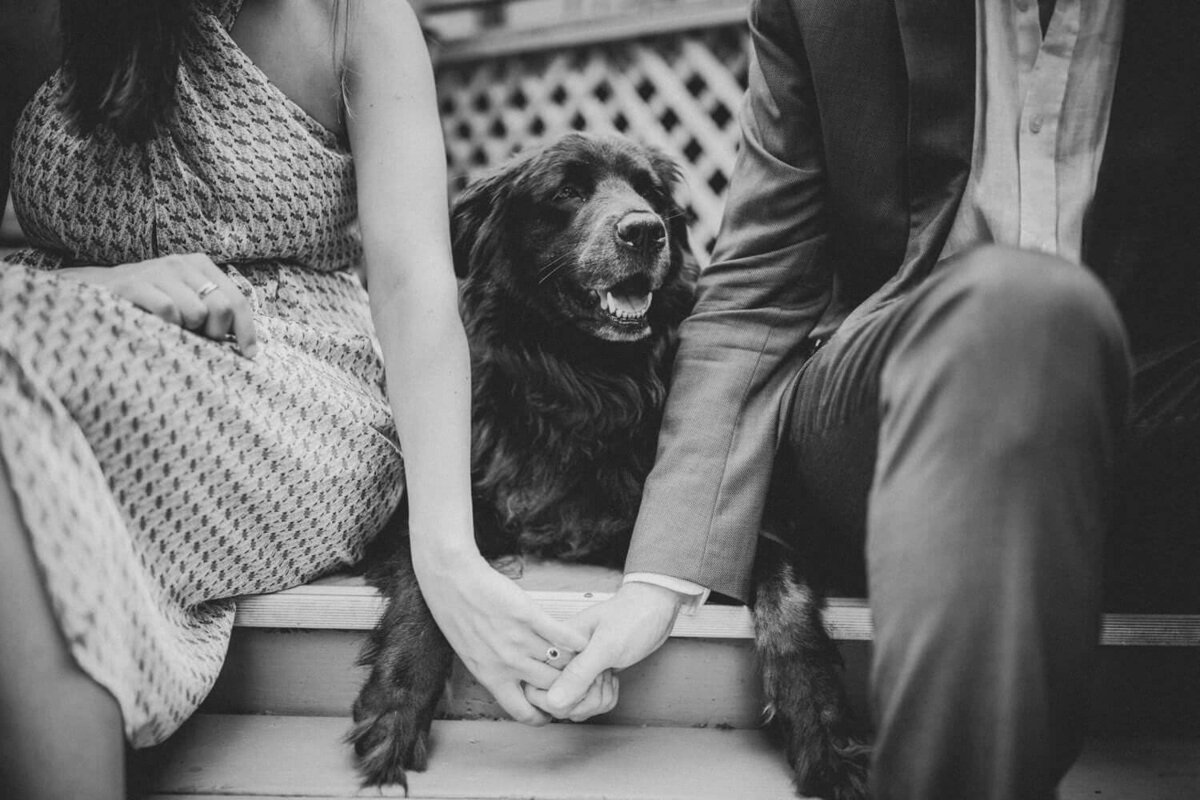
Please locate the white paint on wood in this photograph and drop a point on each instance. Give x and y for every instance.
(687, 682)
(348, 604)
(292, 757)
(304, 756)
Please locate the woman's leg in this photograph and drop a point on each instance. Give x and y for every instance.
(60, 732)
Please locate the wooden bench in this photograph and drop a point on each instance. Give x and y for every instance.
(687, 725)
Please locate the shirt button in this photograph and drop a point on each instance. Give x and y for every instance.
(1035, 124)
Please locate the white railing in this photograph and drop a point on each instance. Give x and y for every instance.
(670, 75)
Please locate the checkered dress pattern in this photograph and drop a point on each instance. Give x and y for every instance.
(160, 473)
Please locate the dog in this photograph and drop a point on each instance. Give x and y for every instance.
(575, 274)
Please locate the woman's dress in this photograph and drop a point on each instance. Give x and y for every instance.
(160, 473)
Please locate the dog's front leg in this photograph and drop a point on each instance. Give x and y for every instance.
(805, 698)
(410, 661)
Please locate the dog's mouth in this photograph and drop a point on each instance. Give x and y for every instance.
(627, 302)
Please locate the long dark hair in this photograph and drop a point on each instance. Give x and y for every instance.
(120, 62)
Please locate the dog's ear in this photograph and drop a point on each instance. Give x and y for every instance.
(474, 220)
(677, 225)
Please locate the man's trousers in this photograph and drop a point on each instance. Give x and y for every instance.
(966, 435)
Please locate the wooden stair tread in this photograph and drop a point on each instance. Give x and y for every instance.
(291, 757)
(304, 757)
(562, 590)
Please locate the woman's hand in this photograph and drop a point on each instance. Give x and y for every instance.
(497, 631)
(186, 290)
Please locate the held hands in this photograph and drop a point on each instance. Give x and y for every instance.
(497, 631)
(186, 290)
(623, 630)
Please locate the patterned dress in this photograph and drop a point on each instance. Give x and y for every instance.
(160, 473)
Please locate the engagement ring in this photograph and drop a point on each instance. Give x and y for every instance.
(558, 657)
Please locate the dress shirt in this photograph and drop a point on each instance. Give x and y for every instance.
(1041, 117)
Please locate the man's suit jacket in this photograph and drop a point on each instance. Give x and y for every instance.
(857, 136)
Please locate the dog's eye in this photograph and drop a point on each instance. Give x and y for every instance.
(654, 194)
(568, 193)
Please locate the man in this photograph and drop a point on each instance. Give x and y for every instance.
(955, 407)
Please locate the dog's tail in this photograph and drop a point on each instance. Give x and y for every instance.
(802, 683)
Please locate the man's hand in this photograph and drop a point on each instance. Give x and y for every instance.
(623, 630)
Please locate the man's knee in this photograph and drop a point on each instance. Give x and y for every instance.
(1032, 301)
(1016, 342)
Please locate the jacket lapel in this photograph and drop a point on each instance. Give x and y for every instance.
(938, 37)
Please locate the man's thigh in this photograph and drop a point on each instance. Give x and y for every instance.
(828, 459)
(1152, 560)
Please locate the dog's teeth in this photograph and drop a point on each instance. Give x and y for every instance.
(629, 306)
(624, 307)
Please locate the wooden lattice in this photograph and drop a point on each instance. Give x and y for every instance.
(679, 92)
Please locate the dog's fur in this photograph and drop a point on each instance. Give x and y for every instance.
(567, 400)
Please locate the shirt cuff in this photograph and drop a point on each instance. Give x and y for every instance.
(694, 595)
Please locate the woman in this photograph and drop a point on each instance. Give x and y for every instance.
(192, 397)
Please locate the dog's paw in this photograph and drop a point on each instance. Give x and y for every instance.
(389, 738)
(837, 771)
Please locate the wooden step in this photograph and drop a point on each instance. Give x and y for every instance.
(562, 590)
(293, 653)
(293, 757)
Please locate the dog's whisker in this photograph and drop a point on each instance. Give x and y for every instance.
(553, 266)
(550, 274)
(555, 263)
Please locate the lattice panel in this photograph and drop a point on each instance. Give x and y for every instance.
(677, 92)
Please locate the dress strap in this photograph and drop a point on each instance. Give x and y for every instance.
(225, 11)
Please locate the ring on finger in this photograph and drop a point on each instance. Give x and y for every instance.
(207, 289)
(556, 654)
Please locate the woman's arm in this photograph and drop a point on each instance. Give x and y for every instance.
(396, 137)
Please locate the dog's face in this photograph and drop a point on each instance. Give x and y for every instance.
(584, 231)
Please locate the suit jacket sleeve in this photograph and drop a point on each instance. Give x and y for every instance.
(768, 285)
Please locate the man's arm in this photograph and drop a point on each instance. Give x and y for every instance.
(768, 285)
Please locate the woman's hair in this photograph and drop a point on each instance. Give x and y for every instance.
(120, 61)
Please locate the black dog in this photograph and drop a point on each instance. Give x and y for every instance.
(576, 273)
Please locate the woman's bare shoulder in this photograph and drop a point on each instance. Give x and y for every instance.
(299, 45)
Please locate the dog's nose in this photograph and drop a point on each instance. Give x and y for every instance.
(642, 230)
